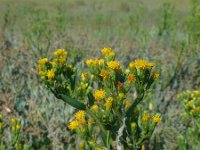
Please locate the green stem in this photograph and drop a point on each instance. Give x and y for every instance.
(103, 131)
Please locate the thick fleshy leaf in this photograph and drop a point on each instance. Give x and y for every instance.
(91, 99)
(71, 101)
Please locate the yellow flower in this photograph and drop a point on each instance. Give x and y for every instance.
(91, 143)
(42, 74)
(107, 52)
(197, 109)
(13, 128)
(114, 65)
(101, 62)
(189, 104)
(104, 74)
(50, 74)
(119, 85)
(42, 61)
(127, 71)
(141, 64)
(133, 125)
(108, 103)
(131, 78)
(145, 118)
(99, 148)
(155, 75)
(143, 147)
(90, 121)
(53, 63)
(60, 53)
(81, 122)
(132, 65)
(121, 95)
(127, 104)
(18, 127)
(156, 118)
(99, 95)
(13, 120)
(95, 107)
(73, 125)
(81, 145)
(83, 85)
(69, 66)
(80, 115)
(89, 62)
(84, 76)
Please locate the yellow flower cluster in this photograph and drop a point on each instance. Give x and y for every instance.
(155, 75)
(94, 62)
(145, 118)
(79, 120)
(108, 103)
(50, 74)
(104, 74)
(99, 95)
(73, 125)
(94, 107)
(114, 65)
(131, 78)
(60, 53)
(84, 76)
(156, 118)
(107, 52)
(141, 64)
(80, 115)
(42, 61)
(16, 125)
(121, 96)
(191, 100)
(127, 104)
(59, 59)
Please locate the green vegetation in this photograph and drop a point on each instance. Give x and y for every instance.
(163, 32)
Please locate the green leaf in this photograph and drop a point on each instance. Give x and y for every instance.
(132, 108)
(71, 101)
(91, 99)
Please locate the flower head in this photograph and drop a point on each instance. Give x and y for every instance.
(60, 53)
(50, 74)
(108, 103)
(121, 95)
(156, 118)
(107, 52)
(90, 121)
(114, 65)
(73, 125)
(155, 75)
(99, 95)
(84, 76)
(141, 64)
(127, 104)
(104, 74)
(42, 61)
(131, 78)
(94, 107)
(80, 115)
(145, 117)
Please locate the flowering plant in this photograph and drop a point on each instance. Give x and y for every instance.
(14, 139)
(190, 101)
(106, 96)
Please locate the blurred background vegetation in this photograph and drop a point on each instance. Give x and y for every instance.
(166, 32)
